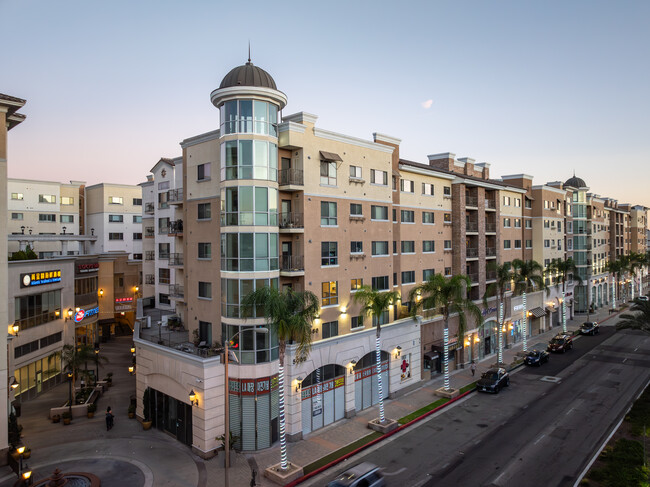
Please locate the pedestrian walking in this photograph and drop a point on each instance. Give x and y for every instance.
(473, 368)
(109, 418)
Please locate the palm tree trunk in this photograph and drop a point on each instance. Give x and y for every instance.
(500, 333)
(284, 464)
(382, 416)
(445, 351)
(524, 321)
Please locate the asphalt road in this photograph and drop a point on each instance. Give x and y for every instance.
(540, 431)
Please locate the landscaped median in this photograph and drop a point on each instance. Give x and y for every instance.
(353, 448)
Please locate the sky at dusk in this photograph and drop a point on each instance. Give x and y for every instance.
(542, 88)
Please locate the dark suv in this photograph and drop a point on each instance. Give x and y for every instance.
(560, 343)
(590, 328)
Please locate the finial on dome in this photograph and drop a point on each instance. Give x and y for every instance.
(249, 52)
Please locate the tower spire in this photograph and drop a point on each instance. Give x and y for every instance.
(249, 51)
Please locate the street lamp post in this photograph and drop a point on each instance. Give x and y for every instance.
(226, 400)
(97, 363)
(70, 393)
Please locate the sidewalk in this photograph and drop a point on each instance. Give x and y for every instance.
(127, 456)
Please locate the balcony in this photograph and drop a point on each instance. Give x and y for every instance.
(291, 223)
(176, 260)
(490, 275)
(175, 196)
(150, 279)
(176, 291)
(490, 228)
(149, 232)
(471, 227)
(471, 253)
(149, 208)
(471, 201)
(490, 204)
(474, 278)
(490, 252)
(163, 256)
(290, 179)
(175, 228)
(149, 255)
(39, 319)
(292, 265)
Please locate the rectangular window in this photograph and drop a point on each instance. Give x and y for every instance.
(163, 251)
(46, 198)
(559, 244)
(16, 216)
(163, 298)
(408, 277)
(356, 209)
(47, 217)
(427, 189)
(204, 211)
(356, 322)
(447, 218)
(394, 215)
(517, 222)
(116, 236)
(547, 224)
(408, 246)
(329, 253)
(67, 200)
(518, 202)
(379, 177)
(205, 290)
(447, 244)
(163, 275)
(328, 173)
(116, 218)
(163, 185)
(446, 191)
(328, 213)
(163, 225)
(356, 247)
(394, 179)
(383, 319)
(447, 271)
(569, 244)
(380, 283)
(506, 201)
(205, 250)
(395, 247)
(355, 172)
(507, 244)
(407, 186)
(547, 204)
(330, 293)
(115, 200)
(17, 196)
(427, 273)
(379, 212)
(559, 226)
(529, 244)
(528, 203)
(408, 216)
(330, 329)
(428, 217)
(137, 218)
(137, 201)
(66, 218)
(203, 172)
(506, 223)
(547, 244)
(529, 223)
(355, 284)
(517, 244)
(569, 227)
(380, 248)
(137, 236)
(428, 246)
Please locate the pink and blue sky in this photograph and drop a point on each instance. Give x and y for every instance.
(543, 88)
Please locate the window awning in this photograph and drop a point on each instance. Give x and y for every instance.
(330, 156)
(538, 312)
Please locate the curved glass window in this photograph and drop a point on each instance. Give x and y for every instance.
(249, 159)
(249, 252)
(249, 117)
(234, 290)
(249, 205)
(251, 347)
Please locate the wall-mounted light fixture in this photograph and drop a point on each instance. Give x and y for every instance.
(13, 383)
(467, 342)
(57, 312)
(131, 369)
(193, 398)
(101, 293)
(133, 349)
(477, 339)
(351, 366)
(344, 310)
(15, 328)
(69, 314)
(397, 351)
(298, 383)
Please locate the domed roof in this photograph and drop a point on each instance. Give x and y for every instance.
(248, 75)
(575, 182)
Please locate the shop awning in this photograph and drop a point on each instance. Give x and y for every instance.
(538, 312)
(330, 156)
(433, 355)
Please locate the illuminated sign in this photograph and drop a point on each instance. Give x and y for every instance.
(85, 313)
(92, 267)
(39, 278)
(123, 300)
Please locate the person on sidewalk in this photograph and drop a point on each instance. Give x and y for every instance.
(473, 368)
(109, 418)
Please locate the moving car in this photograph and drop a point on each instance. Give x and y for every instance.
(590, 328)
(643, 298)
(363, 475)
(493, 380)
(536, 357)
(560, 343)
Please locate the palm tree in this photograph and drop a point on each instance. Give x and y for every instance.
(75, 356)
(616, 268)
(375, 303)
(637, 262)
(291, 315)
(528, 274)
(504, 277)
(563, 268)
(450, 295)
(637, 321)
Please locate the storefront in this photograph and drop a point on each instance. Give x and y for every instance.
(323, 397)
(38, 376)
(366, 387)
(85, 320)
(254, 412)
(172, 416)
(86, 301)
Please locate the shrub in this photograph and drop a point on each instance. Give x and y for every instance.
(67, 415)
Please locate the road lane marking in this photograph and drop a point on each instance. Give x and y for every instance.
(539, 439)
(567, 413)
(624, 359)
(393, 473)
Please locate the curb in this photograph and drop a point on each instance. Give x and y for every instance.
(377, 440)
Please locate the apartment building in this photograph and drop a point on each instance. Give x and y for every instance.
(9, 119)
(114, 214)
(638, 226)
(46, 208)
(162, 219)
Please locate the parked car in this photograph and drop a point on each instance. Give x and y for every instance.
(590, 328)
(560, 343)
(643, 298)
(493, 380)
(363, 475)
(536, 357)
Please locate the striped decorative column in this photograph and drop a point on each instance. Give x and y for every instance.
(563, 312)
(500, 331)
(445, 361)
(382, 417)
(525, 322)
